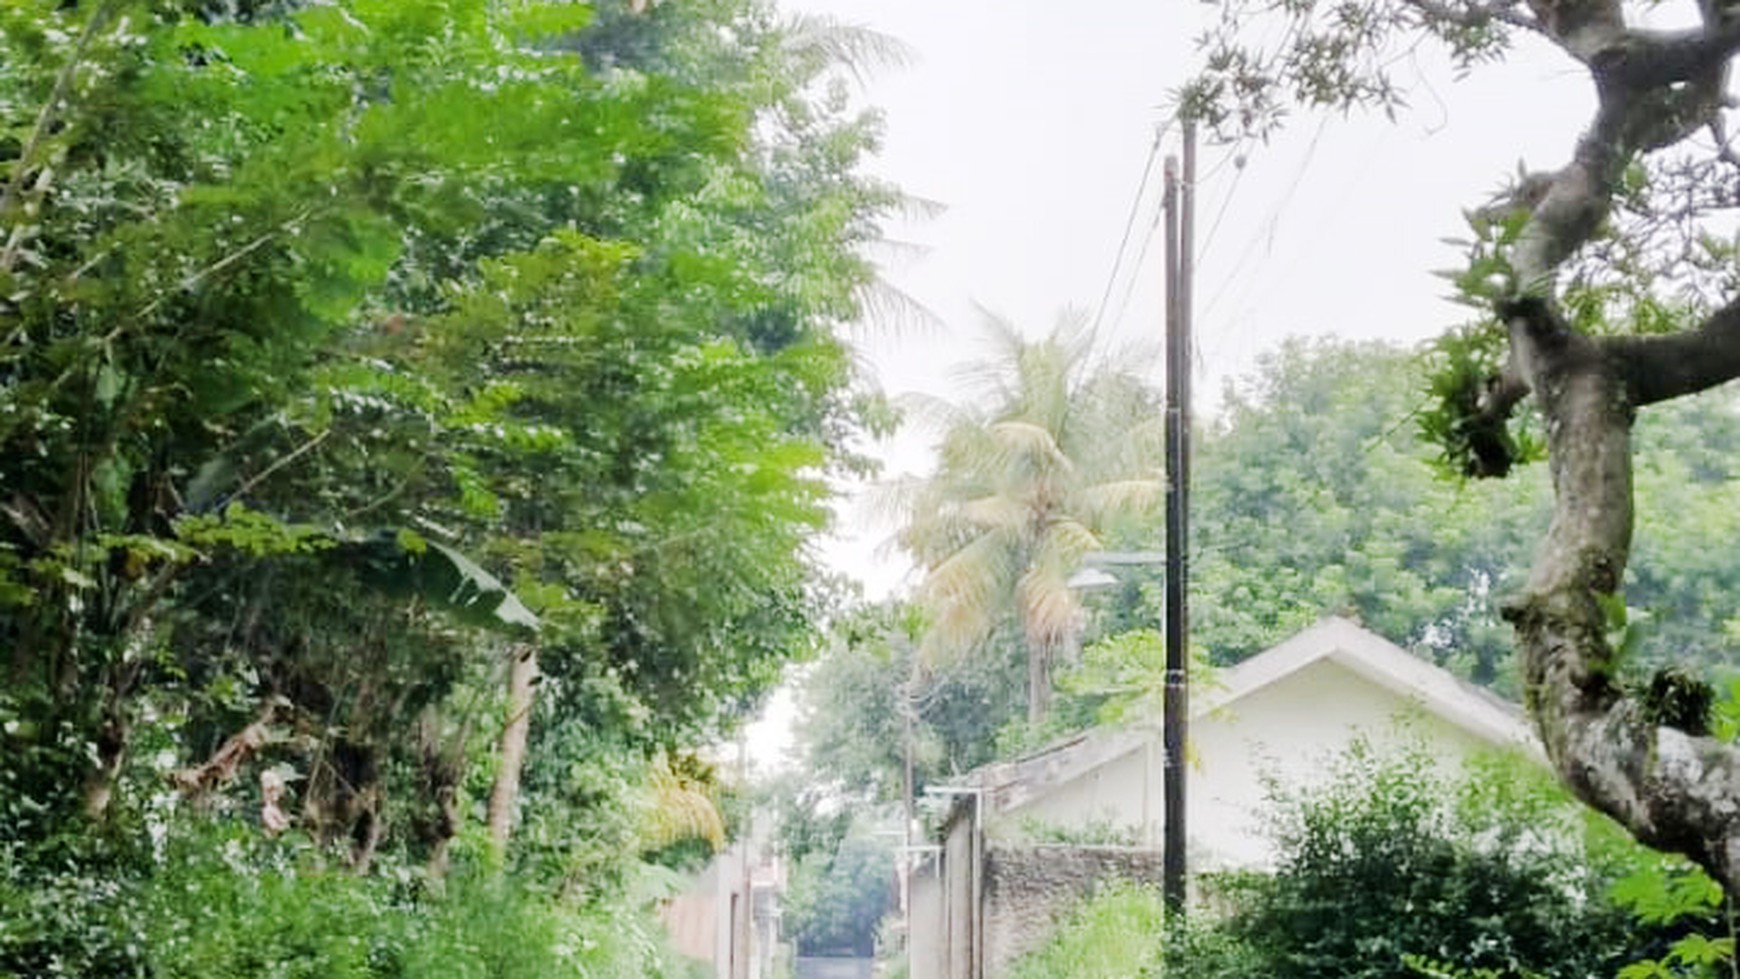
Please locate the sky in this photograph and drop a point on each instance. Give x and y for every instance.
(1029, 123)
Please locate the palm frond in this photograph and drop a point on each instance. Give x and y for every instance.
(1065, 543)
(1024, 444)
(1105, 502)
(931, 413)
(679, 808)
(974, 573)
(820, 40)
(1050, 610)
(952, 633)
(996, 512)
(883, 307)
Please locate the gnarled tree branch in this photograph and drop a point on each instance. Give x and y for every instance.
(1663, 779)
(1660, 368)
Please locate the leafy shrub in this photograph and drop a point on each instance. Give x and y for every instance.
(1115, 934)
(1118, 933)
(1392, 861)
(221, 902)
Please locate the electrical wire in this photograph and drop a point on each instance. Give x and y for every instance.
(1129, 224)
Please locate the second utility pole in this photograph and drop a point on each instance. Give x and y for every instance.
(1179, 204)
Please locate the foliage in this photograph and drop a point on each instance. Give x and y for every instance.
(1030, 480)
(219, 902)
(1667, 892)
(1311, 496)
(342, 344)
(837, 899)
(1114, 934)
(1395, 861)
(850, 729)
(1607, 283)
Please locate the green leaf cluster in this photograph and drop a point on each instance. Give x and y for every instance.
(349, 351)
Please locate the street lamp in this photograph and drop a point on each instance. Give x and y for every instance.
(1174, 720)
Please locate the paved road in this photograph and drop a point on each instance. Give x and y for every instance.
(833, 969)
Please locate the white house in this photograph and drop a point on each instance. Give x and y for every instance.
(1285, 714)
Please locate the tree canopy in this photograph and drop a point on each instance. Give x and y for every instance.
(1029, 481)
(1604, 284)
(354, 353)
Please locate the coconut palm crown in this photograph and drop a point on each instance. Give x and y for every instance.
(1054, 453)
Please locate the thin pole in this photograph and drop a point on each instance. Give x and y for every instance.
(1180, 221)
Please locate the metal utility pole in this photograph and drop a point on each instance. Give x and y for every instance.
(1179, 204)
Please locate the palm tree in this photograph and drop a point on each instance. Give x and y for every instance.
(1028, 481)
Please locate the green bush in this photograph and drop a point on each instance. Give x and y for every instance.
(1395, 869)
(219, 902)
(1116, 934)
(1393, 861)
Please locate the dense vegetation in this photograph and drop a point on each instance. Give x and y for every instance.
(1366, 525)
(1603, 288)
(411, 418)
(1395, 868)
(1377, 534)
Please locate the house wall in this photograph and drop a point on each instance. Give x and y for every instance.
(960, 907)
(1291, 730)
(926, 938)
(1123, 794)
(1029, 890)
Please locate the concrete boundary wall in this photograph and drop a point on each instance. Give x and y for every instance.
(1030, 890)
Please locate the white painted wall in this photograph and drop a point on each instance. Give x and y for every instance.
(1290, 729)
(1124, 793)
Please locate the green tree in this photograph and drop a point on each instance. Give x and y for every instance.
(838, 897)
(1396, 861)
(1313, 495)
(855, 699)
(1029, 480)
(336, 339)
(1604, 290)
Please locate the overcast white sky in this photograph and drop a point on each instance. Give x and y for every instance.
(1030, 121)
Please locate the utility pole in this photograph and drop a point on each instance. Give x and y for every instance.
(1180, 209)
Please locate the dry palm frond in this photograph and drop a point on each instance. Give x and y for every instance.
(974, 573)
(996, 512)
(680, 807)
(1026, 446)
(1050, 610)
(1120, 498)
(1065, 542)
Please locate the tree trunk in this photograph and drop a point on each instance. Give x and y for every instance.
(1646, 760)
(504, 798)
(443, 762)
(1635, 758)
(1038, 681)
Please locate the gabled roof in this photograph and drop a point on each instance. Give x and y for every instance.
(1332, 639)
(1008, 784)
(1369, 655)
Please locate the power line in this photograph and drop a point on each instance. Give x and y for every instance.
(1274, 217)
(1130, 285)
(1129, 225)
